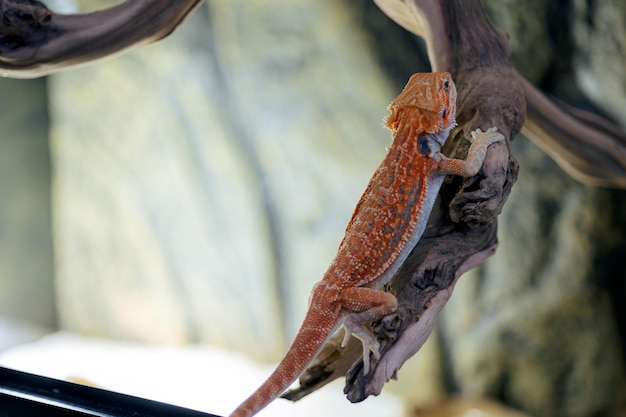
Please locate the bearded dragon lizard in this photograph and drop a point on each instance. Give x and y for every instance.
(387, 223)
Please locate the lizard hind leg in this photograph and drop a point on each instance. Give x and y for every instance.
(362, 306)
(364, 334)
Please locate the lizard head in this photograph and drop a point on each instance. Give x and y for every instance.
(427, 103)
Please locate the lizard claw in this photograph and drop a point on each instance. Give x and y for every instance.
(370, 344)
(346, 337)
(474, 134)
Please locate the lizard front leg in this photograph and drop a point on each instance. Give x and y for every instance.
(364, 305)
(475, 156)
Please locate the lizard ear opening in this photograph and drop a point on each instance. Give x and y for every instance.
(424, 146)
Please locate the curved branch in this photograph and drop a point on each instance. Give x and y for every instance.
(461, 232)
(35, 41)
(423, 18)
(589, 148)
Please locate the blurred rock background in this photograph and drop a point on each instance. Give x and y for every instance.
(193, 190)
(26, 254)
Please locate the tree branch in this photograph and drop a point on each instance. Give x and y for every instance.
(35, 41)
(462, 235)
(462, 231)
(589, 148)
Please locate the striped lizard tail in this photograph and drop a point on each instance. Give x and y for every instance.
(316, 328)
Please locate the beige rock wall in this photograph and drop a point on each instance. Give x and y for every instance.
(26, 269)
(202, 183)
(599, 37)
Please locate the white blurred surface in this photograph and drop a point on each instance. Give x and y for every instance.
(197, 377)
(15, 332)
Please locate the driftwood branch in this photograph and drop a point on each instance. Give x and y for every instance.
(462, 233)
(462, 229)
(34, 41)
(589, 148)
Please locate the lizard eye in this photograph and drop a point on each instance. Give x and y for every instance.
(443, 113)
(446, 84)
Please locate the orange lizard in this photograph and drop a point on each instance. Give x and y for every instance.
(386, 225)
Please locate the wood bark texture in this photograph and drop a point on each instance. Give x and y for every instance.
(34, 41)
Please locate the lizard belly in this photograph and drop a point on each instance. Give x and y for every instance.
(390, 217)
(413, 236)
